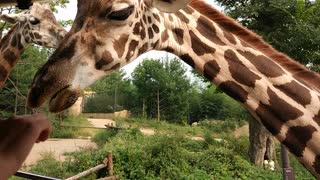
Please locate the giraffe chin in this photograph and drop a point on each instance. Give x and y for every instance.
(64, 99)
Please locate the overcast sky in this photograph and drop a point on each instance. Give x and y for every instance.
(70, 12)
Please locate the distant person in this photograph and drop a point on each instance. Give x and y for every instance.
(18, 134)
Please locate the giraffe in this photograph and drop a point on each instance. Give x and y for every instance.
(108, 34)
(37, 25)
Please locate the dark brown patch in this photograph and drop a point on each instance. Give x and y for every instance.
(164, 36)
(155, 28)
(182, 17)
(116, 66)
(168, 49)
(297, 92)
(265, 65)
(144, 19)
(150, 32)
(239, 71)
(316, 164)
(207, 29)
(199, 47)
(188, 59)
(156, 16)
(143, 49)
(64, 52)
(14, 41)
(297, 138)
(105, 59)
(3, 73)
(20, 46)
(136, 29)
(234, 90)
(37, 35)
(149, 20)
(230, 37)
(132, 46)
(178, 35)
(120, 44)
(273, 116)
(211, 70)
(10, 57)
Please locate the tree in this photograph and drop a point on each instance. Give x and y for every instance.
(163, 89)
(113, 93)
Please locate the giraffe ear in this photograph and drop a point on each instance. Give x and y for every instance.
(170, 6)
(12, 18)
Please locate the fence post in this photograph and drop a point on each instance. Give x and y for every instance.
(110, 163)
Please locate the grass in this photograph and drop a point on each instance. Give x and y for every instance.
(59, 131)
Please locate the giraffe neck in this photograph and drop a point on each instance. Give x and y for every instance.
(12, 46)
(286, 105)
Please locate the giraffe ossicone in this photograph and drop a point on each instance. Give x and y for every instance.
(36, 25)
(108, 34)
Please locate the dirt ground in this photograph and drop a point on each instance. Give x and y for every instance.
(242, 131)
(58, 147)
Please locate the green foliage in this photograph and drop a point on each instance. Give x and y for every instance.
(102, 136)
(113, 93)
(60, 131)
(162, 86)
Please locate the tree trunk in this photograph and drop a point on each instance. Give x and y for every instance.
(158, 105)
(262, 145)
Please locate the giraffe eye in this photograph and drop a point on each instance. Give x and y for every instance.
(121, 14)
(34, 21)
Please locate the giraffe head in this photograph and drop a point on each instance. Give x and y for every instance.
(37, 25)
(106, 35)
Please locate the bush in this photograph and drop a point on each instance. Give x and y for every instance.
(103, 136)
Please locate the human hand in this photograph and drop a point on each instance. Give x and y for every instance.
(17, 137)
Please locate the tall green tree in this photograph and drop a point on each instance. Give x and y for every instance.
(163, 89)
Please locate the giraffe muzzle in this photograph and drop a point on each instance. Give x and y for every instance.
(64, 99)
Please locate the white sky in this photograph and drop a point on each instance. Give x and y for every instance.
(70, 12)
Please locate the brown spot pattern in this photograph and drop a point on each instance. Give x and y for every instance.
(178, 35)
(188, 59)
(150, 32)
(3, 73)
(211, 70)
(164, 36)
(207, 29)
(182, 17)
(132, 46)
(156, 16)
(234, 90)
(297, 92)
(155, 28)
(316, 164)
(116, 66)
(119, 45)
(104, 60)
(230, 37)
(143, 48)
(297, 138)
(239, 71)
(265, 65)
(198, 46)
(10, 57)
(273, 116)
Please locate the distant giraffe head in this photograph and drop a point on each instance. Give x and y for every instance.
(37, 25)
(107, 34)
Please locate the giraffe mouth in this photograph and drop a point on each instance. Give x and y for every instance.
(64, 99)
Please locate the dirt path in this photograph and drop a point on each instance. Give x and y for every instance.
(100, 123)
(242, 131)
(58, 147)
